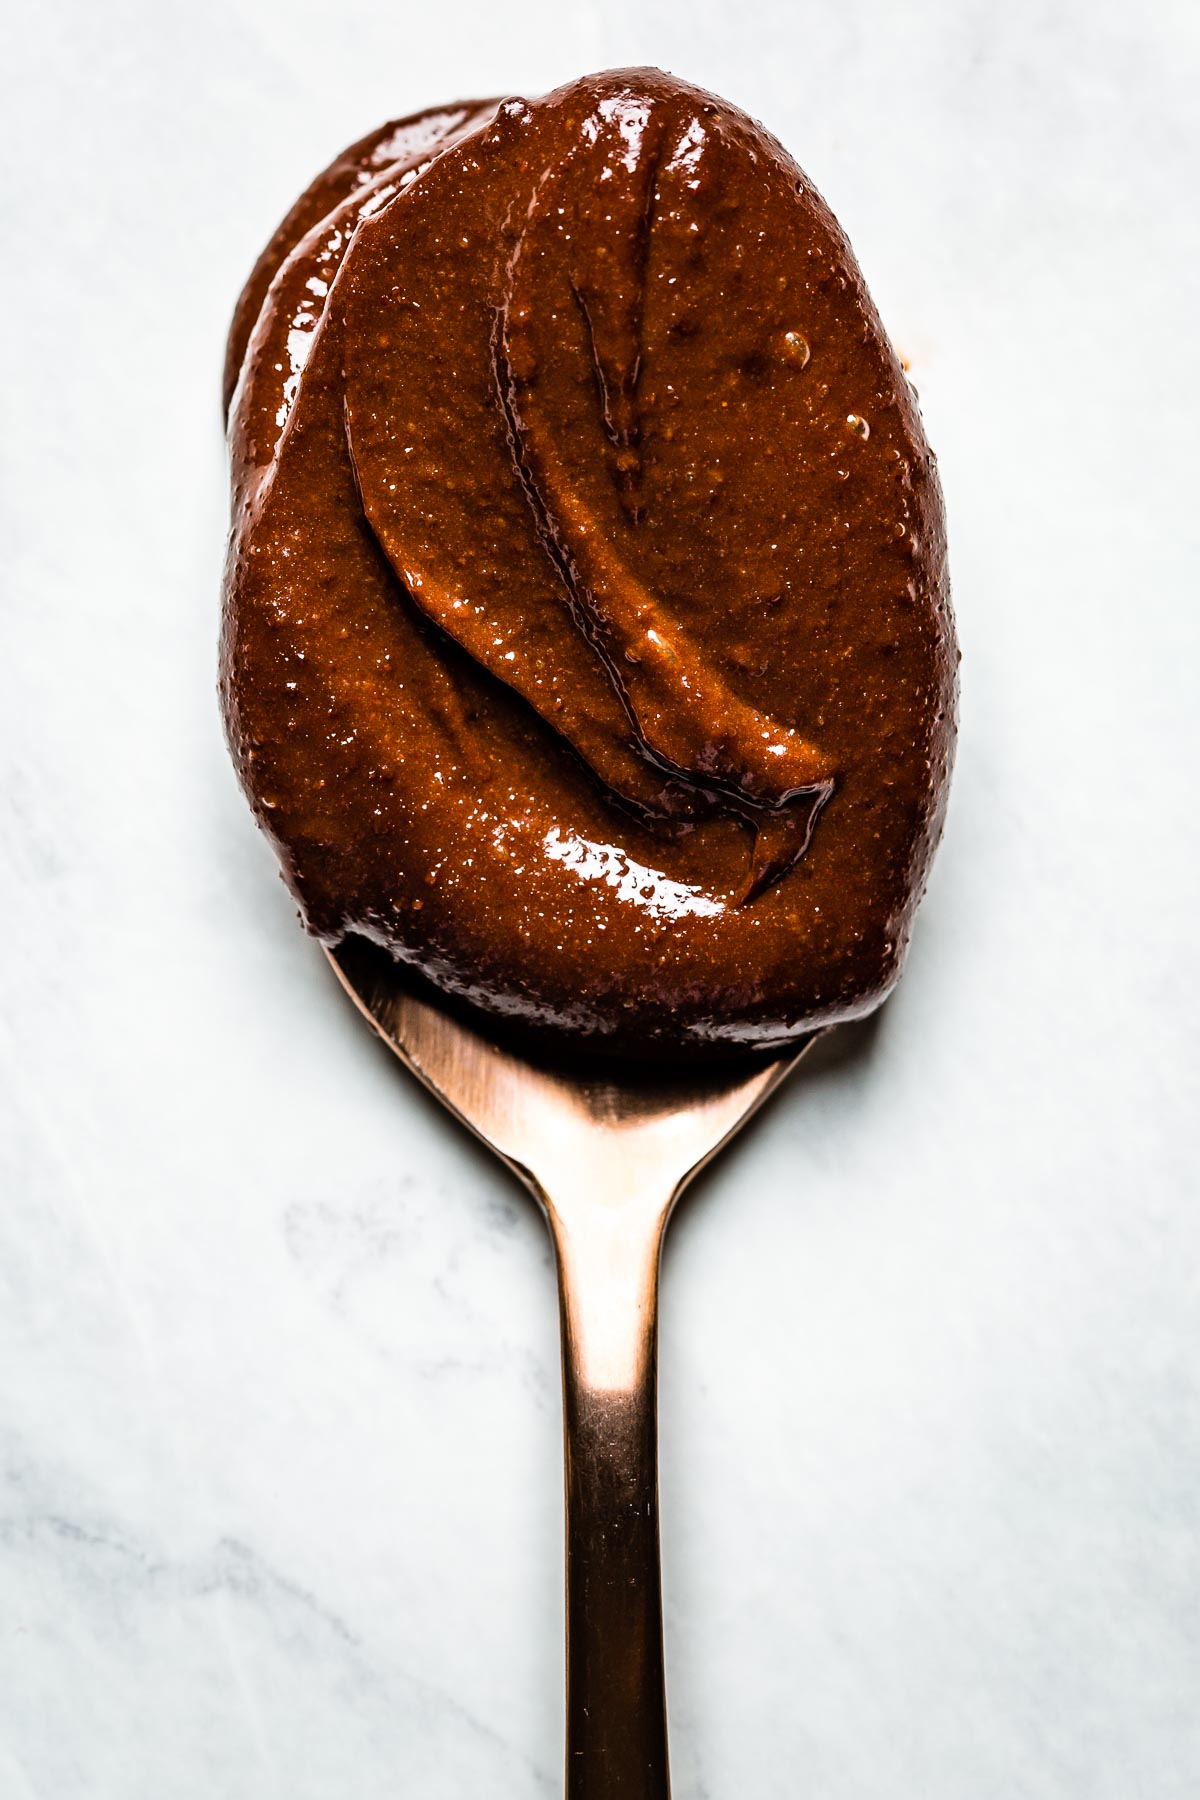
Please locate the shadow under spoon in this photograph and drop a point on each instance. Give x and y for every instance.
(606, 1154)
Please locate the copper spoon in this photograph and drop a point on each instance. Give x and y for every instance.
(606, 1158)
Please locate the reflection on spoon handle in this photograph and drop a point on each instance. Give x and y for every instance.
(607, 1256)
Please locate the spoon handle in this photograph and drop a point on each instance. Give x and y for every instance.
(608, 1260)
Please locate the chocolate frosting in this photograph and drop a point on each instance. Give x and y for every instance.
(587, 641)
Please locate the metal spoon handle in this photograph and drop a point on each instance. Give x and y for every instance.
(608, 1261)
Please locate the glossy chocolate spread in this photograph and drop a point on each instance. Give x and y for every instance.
(587, 640)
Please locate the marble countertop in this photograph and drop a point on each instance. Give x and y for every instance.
(279, 1402)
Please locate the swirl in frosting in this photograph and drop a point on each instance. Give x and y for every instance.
(587, 641)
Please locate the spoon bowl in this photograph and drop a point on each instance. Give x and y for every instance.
(606, 1153)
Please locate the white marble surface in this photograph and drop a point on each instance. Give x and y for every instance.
(279, 1451)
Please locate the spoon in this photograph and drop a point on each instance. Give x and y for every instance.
(606, 1156)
